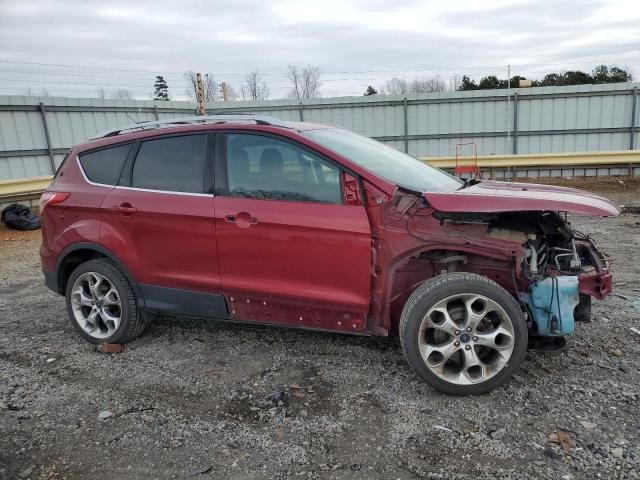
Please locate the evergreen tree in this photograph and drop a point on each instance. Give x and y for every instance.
(162, 90)
(491, 82)
(604, 74)
(370, 91)
(467, 84)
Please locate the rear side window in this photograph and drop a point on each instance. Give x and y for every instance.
(104, 166)
(174, 164)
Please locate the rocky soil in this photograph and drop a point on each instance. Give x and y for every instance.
(203, 399)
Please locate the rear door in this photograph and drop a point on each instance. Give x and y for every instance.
(161, 218)
(290, 250)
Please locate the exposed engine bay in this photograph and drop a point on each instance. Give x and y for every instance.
(555, 257)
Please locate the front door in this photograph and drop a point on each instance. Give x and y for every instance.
(161, 218)
(291, 252)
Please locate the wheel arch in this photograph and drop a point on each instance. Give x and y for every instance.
(76, 254)
(485, 263)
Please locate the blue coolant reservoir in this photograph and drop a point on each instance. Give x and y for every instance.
(552, 302)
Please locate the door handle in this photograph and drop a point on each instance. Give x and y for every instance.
(242, 219)
(124, 209)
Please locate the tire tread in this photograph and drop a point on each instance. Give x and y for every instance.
(434, 284)
(135, 324)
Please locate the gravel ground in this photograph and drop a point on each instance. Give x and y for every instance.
(204, 399)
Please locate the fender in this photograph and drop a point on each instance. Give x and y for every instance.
(508, 254)
(74, 247)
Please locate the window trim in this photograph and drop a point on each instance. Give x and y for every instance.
(222, 182)
(94, 150)
(127, 169)
(208, 181)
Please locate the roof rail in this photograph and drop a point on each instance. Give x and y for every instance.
(218, 118)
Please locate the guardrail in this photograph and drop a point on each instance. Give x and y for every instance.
(550, 165)
(587, 164)
(26, 190)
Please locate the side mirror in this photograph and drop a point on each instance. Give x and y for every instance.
(351, 192)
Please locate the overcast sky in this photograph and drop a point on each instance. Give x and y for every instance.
(75, 47)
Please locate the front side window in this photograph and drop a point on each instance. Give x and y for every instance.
(264, 167)
(104, 166)
(174, 164)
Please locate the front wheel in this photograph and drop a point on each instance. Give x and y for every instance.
(101, 304)
(463, 333)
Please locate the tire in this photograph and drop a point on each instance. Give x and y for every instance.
(101, 304)
(436, 342)
(582, 312)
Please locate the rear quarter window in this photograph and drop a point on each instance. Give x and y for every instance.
(174, 164)
(104, 166)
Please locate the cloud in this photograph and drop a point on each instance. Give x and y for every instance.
(355, 42)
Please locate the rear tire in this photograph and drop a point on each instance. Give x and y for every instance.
(463, 333)
(101, 304)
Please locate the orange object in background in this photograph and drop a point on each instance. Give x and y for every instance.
(461, 168)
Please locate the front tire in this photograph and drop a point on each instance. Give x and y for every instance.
(463, 333)
(101, 304)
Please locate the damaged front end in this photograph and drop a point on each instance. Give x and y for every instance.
(560, 270)
(552, 269)
(557, 272)
(563, 270)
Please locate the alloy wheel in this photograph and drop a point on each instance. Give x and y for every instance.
(96, 305)
(466, 339)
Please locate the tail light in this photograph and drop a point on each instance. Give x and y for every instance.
(52, 198)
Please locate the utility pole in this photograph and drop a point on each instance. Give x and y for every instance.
(508, 105)
(200, 96)
(225, 91)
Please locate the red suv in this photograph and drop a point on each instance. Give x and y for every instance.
(252, 219)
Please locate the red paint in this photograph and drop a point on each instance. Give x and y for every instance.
(596, 284)
(292, 256)
(52, 198)
(346, 267)
(490, 196)
(74, 220)
(169, 240)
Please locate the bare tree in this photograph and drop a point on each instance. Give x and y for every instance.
(296, 82)
(305, 83)
(101, 93)
(428, 85)
(30, 92)
(254, 87)
(208, 84)
(232, 92)
(122, 94)
(399, 86)
(395, 86)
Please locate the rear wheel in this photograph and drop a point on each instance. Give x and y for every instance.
(101, 304)
(463, 333)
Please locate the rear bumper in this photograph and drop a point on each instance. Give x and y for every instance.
(51, 281)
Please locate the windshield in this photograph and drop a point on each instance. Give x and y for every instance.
(384, 161)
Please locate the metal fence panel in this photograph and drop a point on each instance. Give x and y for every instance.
(21, 131)
(534, 120)
(25, 166)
